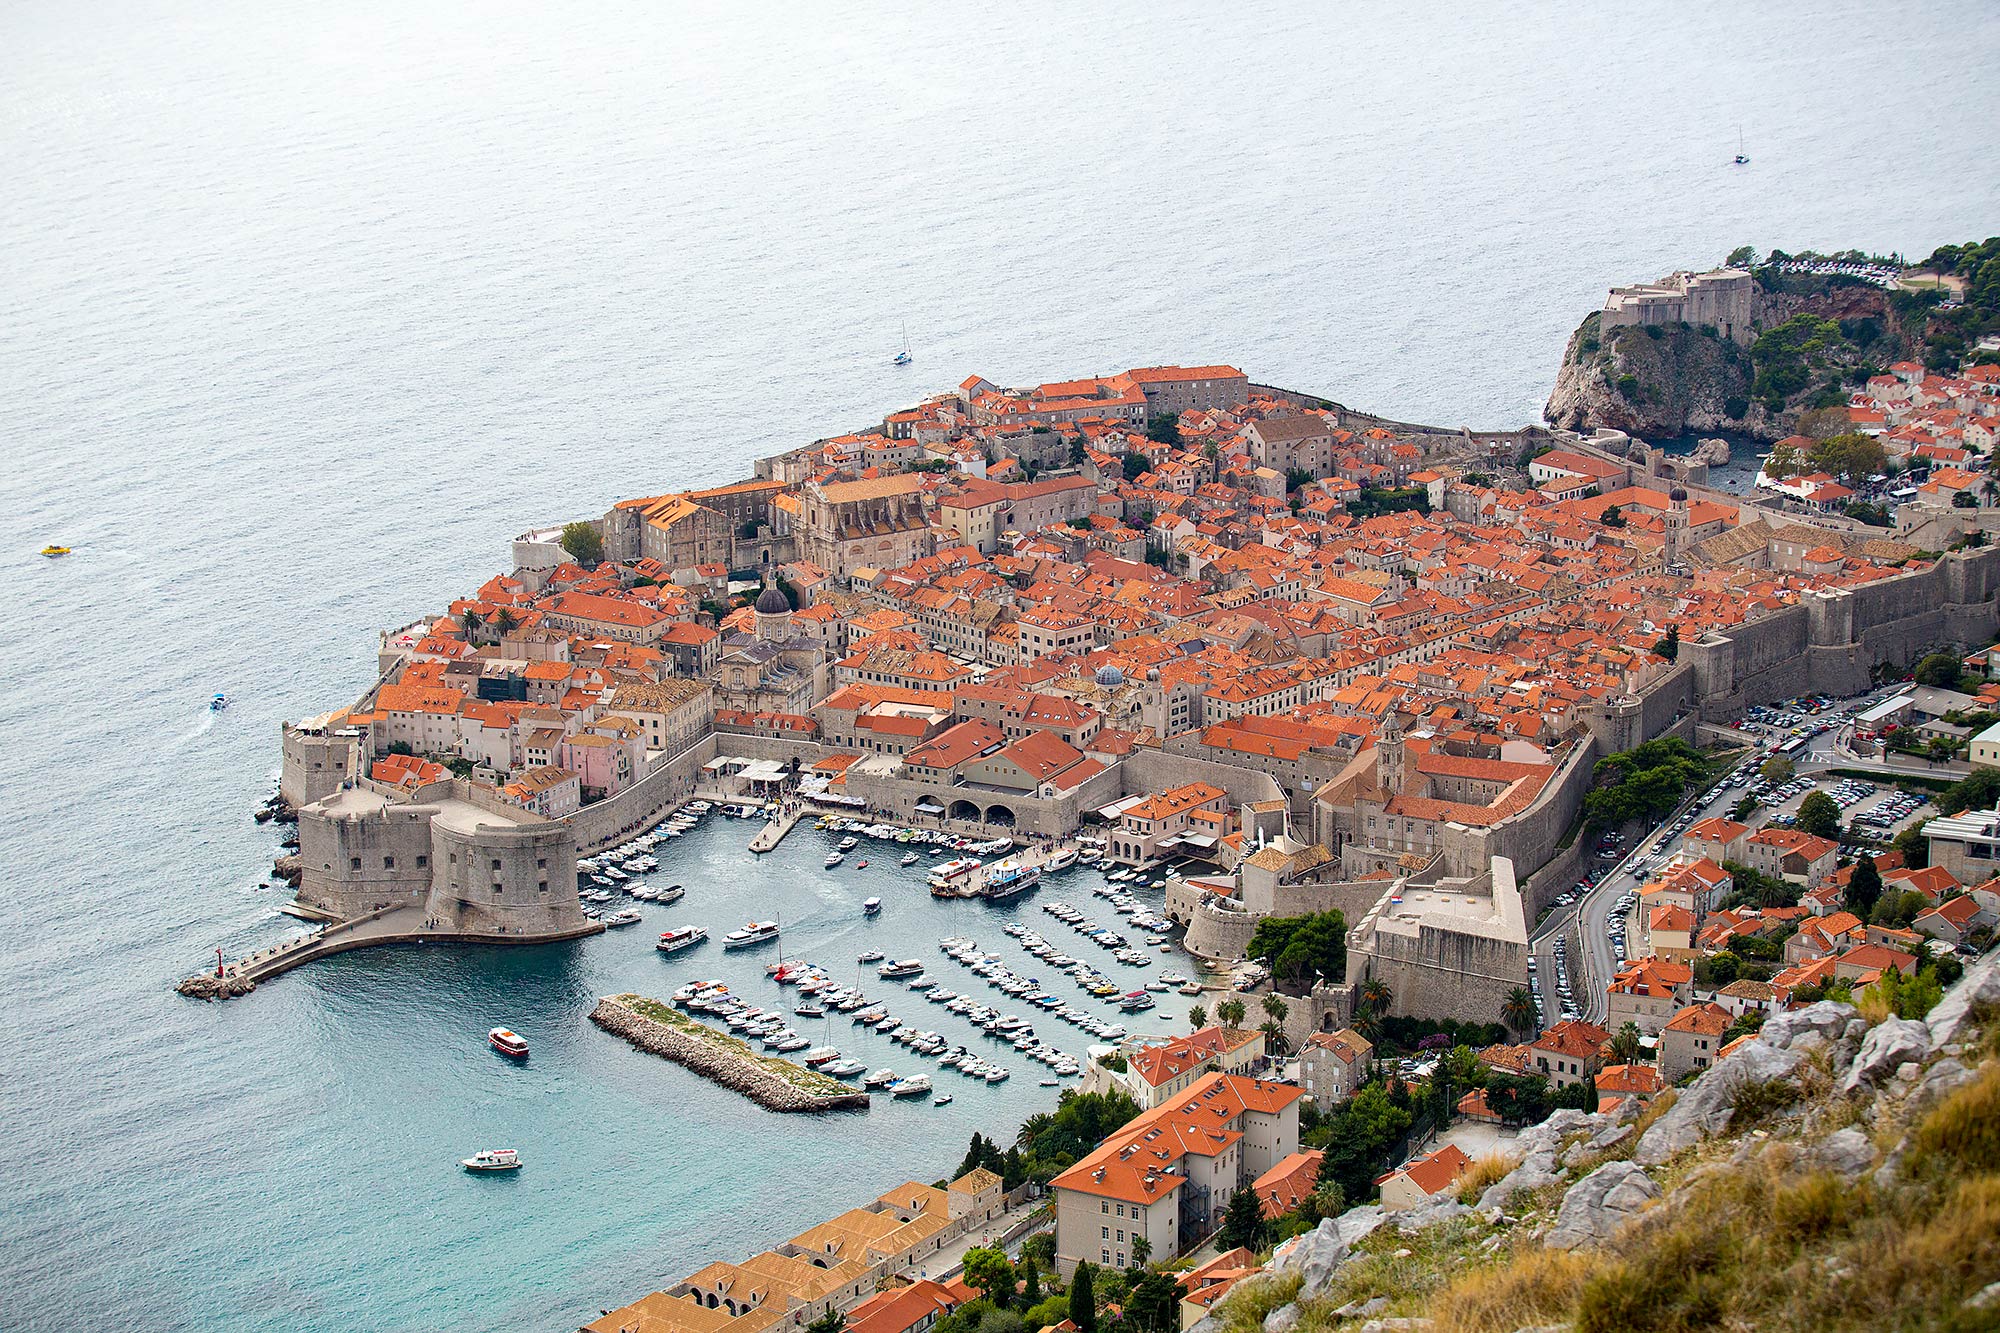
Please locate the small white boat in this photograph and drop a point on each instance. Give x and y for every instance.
(909, 858)
(673, 941)
(834, 858)
(916, 1085)
(881, 1078)
(871, 906)
(626, 917)
(943, 1099)
(216, 704)
(492, 1159)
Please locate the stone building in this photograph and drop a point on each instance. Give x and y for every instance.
(880, 523)
(772, 670)
(1447, 948)
(1725, 299)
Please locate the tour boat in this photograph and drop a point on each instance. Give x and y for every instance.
(218, 703)
(508, 1043)
(908, 967)
(881, 1078)
(872, 956)
(754, 932)
(625, 917)
(1061, 860)
(916, 1085)
(673, 893)
(954, 869)
(492, 1159)
(55, 552)
(673, 941)
(872, 905)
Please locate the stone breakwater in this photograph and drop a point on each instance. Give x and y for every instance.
(774, 1084)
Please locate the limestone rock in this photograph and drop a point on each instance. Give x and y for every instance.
(1846, 1152)
(1359, 1309)
(1706, 1106)
(1886, 1046)
(1599, 1204)
(1979, 987)
(1828, 1018)
(1282, 1319)
(1945, 1077)
(1316, 1255)
(1441, 1209)
(1398, 1325)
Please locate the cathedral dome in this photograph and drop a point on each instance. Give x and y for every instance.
(771, 602)
(1110, 676)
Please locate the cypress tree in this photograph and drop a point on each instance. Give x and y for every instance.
(1082, 1300)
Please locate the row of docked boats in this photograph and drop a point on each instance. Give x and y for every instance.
(993, 970)
(935, 839)
(1121, 948)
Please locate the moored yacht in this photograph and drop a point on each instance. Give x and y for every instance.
(881, 1078)
(492, 1159)
(916, 1085)
(908, 967)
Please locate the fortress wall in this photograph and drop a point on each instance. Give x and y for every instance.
(1148, 771)
(313, 766)
(354, 864)
(1530, 838)
(1443, 973)
(609, 822)
(504, 881)
(1214, 932)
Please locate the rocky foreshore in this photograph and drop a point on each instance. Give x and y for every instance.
(208, 986)
(710, 1054)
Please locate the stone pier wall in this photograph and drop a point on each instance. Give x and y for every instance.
(714, 1061)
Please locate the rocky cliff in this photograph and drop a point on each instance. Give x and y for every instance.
(1837, 1172)
(1667, 381)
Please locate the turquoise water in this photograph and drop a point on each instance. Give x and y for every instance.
(308, 309)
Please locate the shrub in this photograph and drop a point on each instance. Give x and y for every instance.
(1539, 1287)
(1485, 1170)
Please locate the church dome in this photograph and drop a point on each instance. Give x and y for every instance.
(771, 602)
(1110, 676)
(1677, 495)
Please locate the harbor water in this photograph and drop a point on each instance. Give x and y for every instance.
(309, 309)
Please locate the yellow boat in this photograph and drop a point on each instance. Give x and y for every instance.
(53, 551)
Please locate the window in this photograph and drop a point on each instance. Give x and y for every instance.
(388, 863)
(496, 865)
(1105, 1232)
(354, 863)
(422, 862)
(1107, 1255)
(496, 890)
(1103, 1207)
(1121, 1210)
(542, 863)
(543, 887)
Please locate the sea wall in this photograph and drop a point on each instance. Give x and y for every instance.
(709, 1056)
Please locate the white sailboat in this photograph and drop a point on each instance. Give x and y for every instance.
(1741, 160)
(902, 358)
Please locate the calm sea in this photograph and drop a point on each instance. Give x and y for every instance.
(306, 309)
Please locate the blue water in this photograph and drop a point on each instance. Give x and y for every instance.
(307, 309)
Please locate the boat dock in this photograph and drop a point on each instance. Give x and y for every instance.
(1027, 858)
(398, 925)
(774, 832)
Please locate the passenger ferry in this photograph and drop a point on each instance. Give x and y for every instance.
(508, 1043)
(673, 941)
(1009, 879)
(908, 967)
(1061, 860)
(753, 932)
(871, 906)
(952, 870)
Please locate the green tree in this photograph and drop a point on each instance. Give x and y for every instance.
(1033, 1128)
(1625, 1043)
(1164, 427)
(1153, 1305)
(1275, 1007)
(504, 620)
(1031, 1281)
(1041, 1247)
(1077, 445)
(1298, 949)
(989, 1270)
(1242, 1222)
(1275, 1040)
(1741, 257)
(1519, 1009)
(1777, 770)
(1819, 815)
(1230, 1011)
(1612, 517)
(1142, 1249)
(1136, 465)
(832, 1321)
(1669, 645)
(1197, 1017)
(1082, 1299)
(1939, 669)
(583, 543)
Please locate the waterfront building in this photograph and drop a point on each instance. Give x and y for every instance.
(1160, 1069)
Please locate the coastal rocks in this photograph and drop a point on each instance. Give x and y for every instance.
(1715, 453)
(1706, 1107)
(716, 1062)
(208, 986)
(1599, 1204)
(1889, 1045)
(1655, 388)
(288, 868)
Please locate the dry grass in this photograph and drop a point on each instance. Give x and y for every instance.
(1658, 1107)
(1244, 1308)
(1538, 1287)
(1484, 1171)
(1963, 1132)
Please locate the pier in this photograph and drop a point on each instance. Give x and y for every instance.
(1029, 858)
(774, 832)
(397, 925)
(773, 1083)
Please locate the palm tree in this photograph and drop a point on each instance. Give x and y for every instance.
(504, 620)
(1230, 1012)
(1142, 1250)
(1275, 1007)
(1198, 1017)
(1374, 995)
(1275, 1040)
(1033, 1128)
(1625, 1043)
(1519, 1010)
(472, 621)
